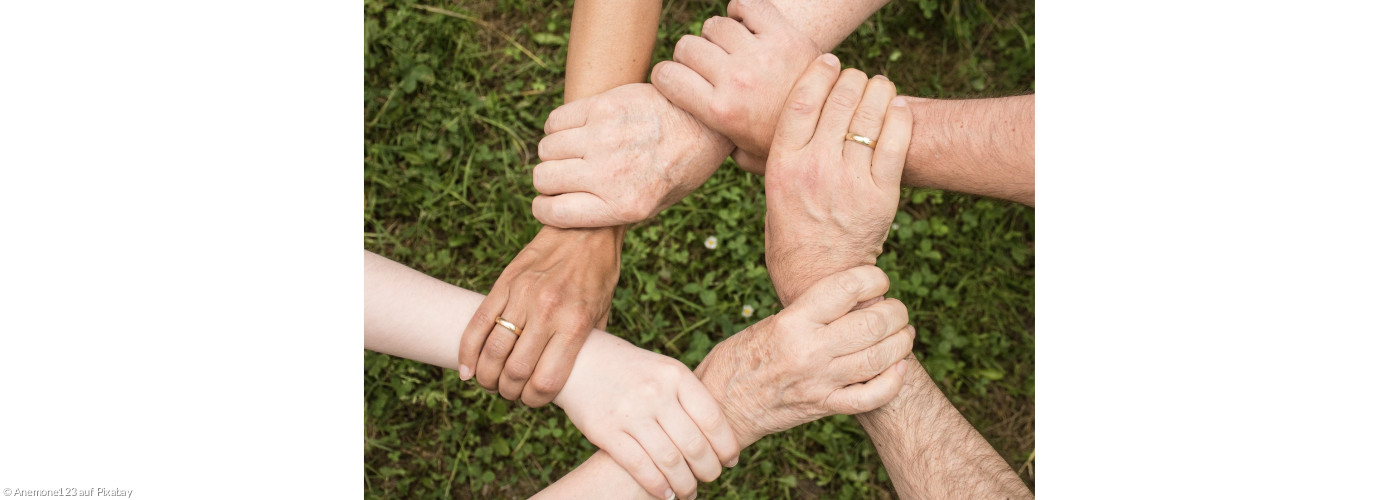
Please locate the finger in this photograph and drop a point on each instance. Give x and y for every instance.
(499, 345)
(804, 103)
(629, 454)
(474, 336)
(704, 411)
(555, 365)
(890, 152)
(520, 365)
(869, 116)
(701, 56)
(866, 327)
(833, 296)
(704, 465)
(667, 457)
(683, 87)
(567, 143)
(561, 176)
(840, 107)
(571, 115)
(577, 209)
(726, 33)
(863, 365)
(866, 396)
(759, 16)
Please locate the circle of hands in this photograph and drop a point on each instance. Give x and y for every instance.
(753, 87)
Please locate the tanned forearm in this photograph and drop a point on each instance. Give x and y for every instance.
(931, 451)
(610, 45)
(976, 146)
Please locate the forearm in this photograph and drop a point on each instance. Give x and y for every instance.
(610, 45)
(827, 23)
(977, 146)
(599, 477)
(412, 315)
(931, 451)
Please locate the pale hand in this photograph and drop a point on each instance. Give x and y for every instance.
(651, 414)
(736, 75)
(621, 157)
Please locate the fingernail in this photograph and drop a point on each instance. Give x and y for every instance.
(881, 77)
(693, 495)
(903, 367)
(830, 60)
(732, 463)
(670, 495)
(899, 102)
(464, 372)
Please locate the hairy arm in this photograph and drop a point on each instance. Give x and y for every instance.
(978, 146)
(931, 451)
(827, 23)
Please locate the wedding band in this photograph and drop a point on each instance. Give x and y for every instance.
(508, 326)
(861, 139)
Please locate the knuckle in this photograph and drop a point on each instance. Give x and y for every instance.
(518, 371)
(498, 347)
(874, 361)
(864, 115)
(696, 447)
(848, 284)
(546, 384)
(670, 458)
(801, 102)
(552, 122)
(843, 98)
(687, 44)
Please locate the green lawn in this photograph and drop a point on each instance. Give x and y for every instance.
(453, 108)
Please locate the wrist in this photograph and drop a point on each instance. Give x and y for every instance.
(719, 378)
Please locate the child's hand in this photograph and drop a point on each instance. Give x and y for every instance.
(649, 413)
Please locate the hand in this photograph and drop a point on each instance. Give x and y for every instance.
(815, 358)
(736, 77)
(621, 157)
(558, 288)
(831, 200)
(648, 411)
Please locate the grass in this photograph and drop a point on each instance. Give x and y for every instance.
(455, 98)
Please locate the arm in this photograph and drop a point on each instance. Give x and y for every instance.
(931, 451)
(978, 146)
(643, 407)
(642, 150)
(813, 359)
(610, 44)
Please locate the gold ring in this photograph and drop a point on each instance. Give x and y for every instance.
(514, 330)
(850, 136)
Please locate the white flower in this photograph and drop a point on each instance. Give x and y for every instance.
(894, 226)
(748, 311)
(711, 242)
